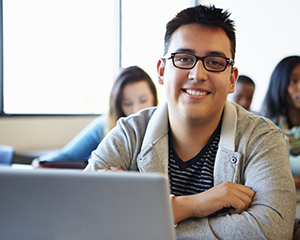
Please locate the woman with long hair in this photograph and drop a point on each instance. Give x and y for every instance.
(282, 105)
(132, 91)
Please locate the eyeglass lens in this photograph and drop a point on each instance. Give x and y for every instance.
(213, 63)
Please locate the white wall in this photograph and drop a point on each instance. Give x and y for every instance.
(38, 133)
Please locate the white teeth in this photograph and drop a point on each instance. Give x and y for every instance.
(196, 93)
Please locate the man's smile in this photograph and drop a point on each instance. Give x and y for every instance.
(196, 92)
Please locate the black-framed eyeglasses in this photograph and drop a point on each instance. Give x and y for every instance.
(210, 63)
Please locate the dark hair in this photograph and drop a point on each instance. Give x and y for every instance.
(204, 15)
(275, 102)
(245, 79)
(128, 75)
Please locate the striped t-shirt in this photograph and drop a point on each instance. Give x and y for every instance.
(195, 175)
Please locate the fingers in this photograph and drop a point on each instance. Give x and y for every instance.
(230, 195)
(245, 189)
(238, 196)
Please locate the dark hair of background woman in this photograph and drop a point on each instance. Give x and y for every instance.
(275, 102)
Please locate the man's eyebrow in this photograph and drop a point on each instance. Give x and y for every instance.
(186, 50)
(216, 53)
(210, 53)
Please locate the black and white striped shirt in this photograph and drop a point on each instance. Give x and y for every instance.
(195, 175)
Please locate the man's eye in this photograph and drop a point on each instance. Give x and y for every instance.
(184, 59)
(215, 63)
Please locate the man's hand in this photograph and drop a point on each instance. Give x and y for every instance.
(235, 196)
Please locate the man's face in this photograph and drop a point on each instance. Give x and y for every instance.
(197, 93)
(243, 94)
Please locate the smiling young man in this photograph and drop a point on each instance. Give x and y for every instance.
(228, 169)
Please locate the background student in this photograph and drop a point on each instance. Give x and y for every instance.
(228, 169)
(282, 105)
(244, 90)
(132, 91)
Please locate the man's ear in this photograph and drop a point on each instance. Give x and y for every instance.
(233, 77)
(160, 70)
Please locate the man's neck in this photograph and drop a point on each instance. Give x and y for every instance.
(189, 138)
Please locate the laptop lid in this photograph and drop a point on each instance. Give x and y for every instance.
(71, 204)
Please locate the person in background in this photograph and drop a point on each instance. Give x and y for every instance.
(244, 90)
(132, 91)
(282, 105)
(228, 169)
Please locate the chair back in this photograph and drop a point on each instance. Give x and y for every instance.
(6, 155)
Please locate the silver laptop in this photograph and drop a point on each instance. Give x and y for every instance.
(71, 205)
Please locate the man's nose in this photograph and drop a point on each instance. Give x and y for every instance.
(198, 72)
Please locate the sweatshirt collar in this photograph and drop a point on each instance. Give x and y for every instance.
(158, 126)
